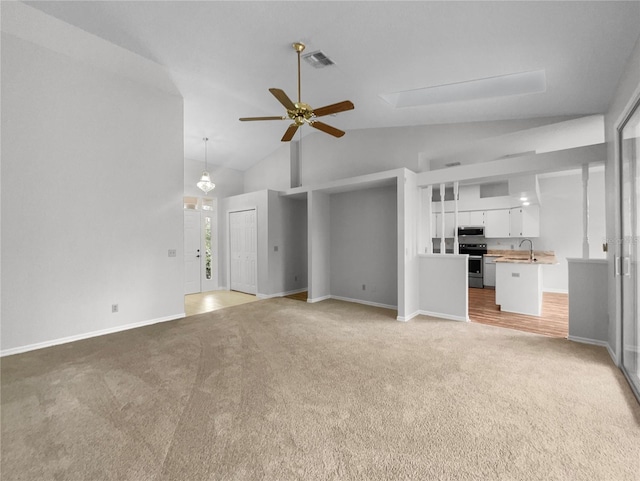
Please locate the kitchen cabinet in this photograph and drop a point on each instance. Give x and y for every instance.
(449, 225)
(516, 222)
(497, 223)
(473, 218)
(489, 279)
(525, 221)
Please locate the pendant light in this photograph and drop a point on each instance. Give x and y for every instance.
(205, 183)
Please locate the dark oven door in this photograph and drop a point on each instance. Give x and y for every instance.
(475, 266)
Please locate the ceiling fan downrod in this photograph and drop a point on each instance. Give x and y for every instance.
(299, 47)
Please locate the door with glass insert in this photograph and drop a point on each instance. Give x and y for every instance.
(629, 142)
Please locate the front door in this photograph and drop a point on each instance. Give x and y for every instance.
(192, 257)
(243, 251)
(629, 142)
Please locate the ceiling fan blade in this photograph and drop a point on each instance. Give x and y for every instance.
(291, 131)
(283, 99)
(245, 119)
(327, 128)
(334, 108)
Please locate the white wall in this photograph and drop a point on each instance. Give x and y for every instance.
(92, 185)
(588, 300)
(561, 223)
(287, 244)
(325, 158)
(319, 245)
(272, 172)
(444, 286)
(408, 262)
(364, 245)
(627, 93)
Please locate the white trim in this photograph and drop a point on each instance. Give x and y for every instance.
(87, 335)
(280, 294)
(441, 315)
(555, 291)
(407, 318)
(593, 342)
(366, 303)
(318, 299)
(614, 358)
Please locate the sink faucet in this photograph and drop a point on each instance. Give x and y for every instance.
(531, 247)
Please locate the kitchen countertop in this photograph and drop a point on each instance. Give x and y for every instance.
(522, 257)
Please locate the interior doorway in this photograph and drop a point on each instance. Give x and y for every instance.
(243, 255)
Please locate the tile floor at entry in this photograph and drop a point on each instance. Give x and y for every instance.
(214, 300)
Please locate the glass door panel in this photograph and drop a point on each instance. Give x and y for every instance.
(629, 141)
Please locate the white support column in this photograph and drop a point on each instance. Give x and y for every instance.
(585, 211)
(429, 213)
(443, 249)
(455, 217)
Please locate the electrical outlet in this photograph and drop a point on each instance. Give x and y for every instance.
(364, 287)
(172, 252)
(114, 308)
(295, 278)
(515, 274)
(275, 248)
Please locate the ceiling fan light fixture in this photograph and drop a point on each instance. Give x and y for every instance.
(301, 113)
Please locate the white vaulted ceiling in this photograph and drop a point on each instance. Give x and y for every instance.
(224, 56)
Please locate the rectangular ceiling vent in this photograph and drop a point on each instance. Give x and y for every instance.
(318, 59)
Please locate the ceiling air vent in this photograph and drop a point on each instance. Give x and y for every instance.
(317, 59)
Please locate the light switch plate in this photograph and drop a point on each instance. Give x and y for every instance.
(172, 252)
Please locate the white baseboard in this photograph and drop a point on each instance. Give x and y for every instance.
(366, 303)
(556, 291)
(441, 315)
(87, 335)
(408, 318)
(614, 358)
(280, 294)
(586, 340)
(318, 299)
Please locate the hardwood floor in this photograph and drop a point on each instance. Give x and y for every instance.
(299, 296)
(554, 321)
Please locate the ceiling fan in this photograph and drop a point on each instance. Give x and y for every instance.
(302, 113)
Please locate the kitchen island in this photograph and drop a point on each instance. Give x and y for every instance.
(519, 281)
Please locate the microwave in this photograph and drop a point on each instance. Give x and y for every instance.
(467, 231)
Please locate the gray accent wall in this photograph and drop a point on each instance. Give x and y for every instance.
(364, 245)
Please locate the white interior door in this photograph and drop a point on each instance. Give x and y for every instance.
(243, 251)
(192, 257)
(629, 142)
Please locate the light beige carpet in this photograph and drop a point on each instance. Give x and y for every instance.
(283, 390)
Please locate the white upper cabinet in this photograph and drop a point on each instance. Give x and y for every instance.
(473, 218)
(516, 222)
(497, 223)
